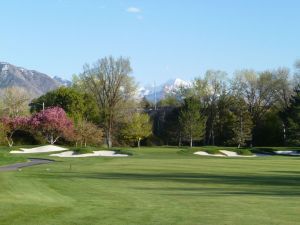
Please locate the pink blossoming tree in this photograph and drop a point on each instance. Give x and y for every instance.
(11, 124)
(53, 124)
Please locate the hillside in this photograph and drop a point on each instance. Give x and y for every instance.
(34, 82)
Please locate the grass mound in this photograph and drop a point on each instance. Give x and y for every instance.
(243, 152)
(212, 151)
(81, 150)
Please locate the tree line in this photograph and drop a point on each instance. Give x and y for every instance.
(251, 108)
(246, 109)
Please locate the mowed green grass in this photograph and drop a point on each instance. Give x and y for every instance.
(7, 158)
(153, 186)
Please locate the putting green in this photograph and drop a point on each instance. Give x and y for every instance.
(153, 186)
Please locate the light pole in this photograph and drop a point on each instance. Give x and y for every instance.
(43, 105)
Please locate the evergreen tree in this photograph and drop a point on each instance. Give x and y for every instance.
(242, 123)
(191, 121)
(291, 116)
(172, 132)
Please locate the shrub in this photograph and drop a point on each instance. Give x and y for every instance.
(82, 150)
(213, 151)
(243, 152)
(152, 141)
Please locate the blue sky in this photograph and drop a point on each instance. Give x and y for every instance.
(164, 39)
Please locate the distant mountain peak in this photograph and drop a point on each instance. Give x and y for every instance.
(160, 91)
(34, 82)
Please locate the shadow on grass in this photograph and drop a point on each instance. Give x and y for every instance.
(281, 185)
(224, 191)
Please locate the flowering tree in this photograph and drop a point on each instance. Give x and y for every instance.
(10, 125)
(53, 123)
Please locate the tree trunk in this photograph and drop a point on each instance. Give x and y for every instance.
(53, 140)
(179, 140)
(139, 142)
(191, 142)
(10, 142)
(213, 136)
(284, 134)
(108, 138)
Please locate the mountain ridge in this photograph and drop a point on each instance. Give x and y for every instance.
(33, 82)
(36, 83)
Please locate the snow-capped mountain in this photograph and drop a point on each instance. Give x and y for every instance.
(152, 92)
(36, 83)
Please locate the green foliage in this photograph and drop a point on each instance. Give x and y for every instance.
(81, 150)
(170, 100)
(88, 133)
(242, 123)
(172, 130)
(2, 134)
(212, 151)
(291, 118)
(224, 120)
(110, 83)
(191, 121)
(269, 132)
(152, 140)
(243, 151)
(77, 105)
(137, 128)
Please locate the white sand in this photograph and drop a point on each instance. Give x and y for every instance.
(287, 153)
(234, 154)
(229, 153)
(95, 153)
(41, 149)
(206, 154)
(225, 153)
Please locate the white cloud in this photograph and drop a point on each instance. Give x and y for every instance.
(133, 10)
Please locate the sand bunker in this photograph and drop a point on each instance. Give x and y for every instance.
(206, 154)
(41, 149)
(225, 153)
(291, 153)
(95, 153)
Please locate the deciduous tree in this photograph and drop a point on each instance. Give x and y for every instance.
(52, 123)
(191, 121)
(109, 82)
(79, 106)
(14, 102)
(10, 125)
(88, 133)
(137, 128)
(208, 92)
(242, 123)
